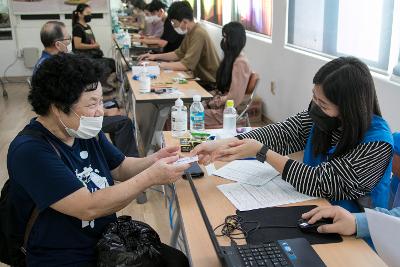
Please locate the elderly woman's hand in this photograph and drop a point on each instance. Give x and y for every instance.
(165, 152)
(164, 171)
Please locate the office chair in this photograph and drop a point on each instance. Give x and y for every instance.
(249, 95)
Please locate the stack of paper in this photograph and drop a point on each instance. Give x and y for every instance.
(250, 172)
(137, 70)
(274, 193)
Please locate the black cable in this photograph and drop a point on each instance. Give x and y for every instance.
(7, 68)
(234, 223)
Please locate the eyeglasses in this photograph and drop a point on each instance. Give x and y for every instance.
(65, 39)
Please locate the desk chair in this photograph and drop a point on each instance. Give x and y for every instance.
(249, 95)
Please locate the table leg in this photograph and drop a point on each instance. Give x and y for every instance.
(173, 242)
(162, 115)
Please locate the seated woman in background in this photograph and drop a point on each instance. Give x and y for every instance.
(170, 40)
(84, 43)
(138, 16)
(155, 18)
(232, 76)
(67, 169)
(347, 145)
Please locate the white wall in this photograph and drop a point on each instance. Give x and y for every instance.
(293, 70)
(27, 34)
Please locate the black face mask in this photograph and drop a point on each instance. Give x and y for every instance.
(322, 121)
(87, 18)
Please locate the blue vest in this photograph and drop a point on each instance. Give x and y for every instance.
(378, 131)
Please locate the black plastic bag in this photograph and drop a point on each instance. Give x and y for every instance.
(129, 243)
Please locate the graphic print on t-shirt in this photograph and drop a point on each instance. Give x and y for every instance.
(90, 36)
(92, 180)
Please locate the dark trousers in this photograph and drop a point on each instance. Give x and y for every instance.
(108, 66)
(122, 134)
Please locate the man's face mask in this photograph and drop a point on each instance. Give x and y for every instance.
(152, 19)
(179, 29)
(324, 122)
(66, 48)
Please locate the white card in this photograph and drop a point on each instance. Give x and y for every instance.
(186, 160)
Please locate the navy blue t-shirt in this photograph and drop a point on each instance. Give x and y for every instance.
(39, 177)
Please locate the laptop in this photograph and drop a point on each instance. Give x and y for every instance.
(295, 252)
(134, 59)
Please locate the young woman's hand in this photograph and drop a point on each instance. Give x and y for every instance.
(206, 149)
(237, 149)
(165, 172)
(344, 222)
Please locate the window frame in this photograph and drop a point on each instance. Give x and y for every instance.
(329, 45)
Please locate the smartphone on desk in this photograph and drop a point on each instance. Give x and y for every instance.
(194, 170)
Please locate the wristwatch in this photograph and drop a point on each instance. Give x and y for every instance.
(262, 154)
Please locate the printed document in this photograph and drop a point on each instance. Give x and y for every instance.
(250, 172)
(274, 193)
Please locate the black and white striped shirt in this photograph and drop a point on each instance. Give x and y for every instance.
(348, 176)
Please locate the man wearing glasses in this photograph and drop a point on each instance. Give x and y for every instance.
(55, 39)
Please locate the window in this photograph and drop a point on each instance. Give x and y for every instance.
(211, 10)
(5, 25)
(4, 15)
(193, 3)
(255, 15)
(340, 28)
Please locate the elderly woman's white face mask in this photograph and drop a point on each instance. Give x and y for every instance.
(90, 103)
(89, 127)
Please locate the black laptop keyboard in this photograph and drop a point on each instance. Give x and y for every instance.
(266, 254)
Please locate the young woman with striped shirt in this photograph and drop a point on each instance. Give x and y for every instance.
(347, 144)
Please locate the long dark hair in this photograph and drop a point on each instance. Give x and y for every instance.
(235, 39)
(75, 14)
(347, 83)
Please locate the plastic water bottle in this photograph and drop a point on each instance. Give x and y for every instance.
(127, 45)
(125, 52)
(128, 39)
(120, 37)
(196, 115)
(230, 117)
(178, 119)
(145, 81)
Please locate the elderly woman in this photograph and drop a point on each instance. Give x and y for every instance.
(66, 171)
